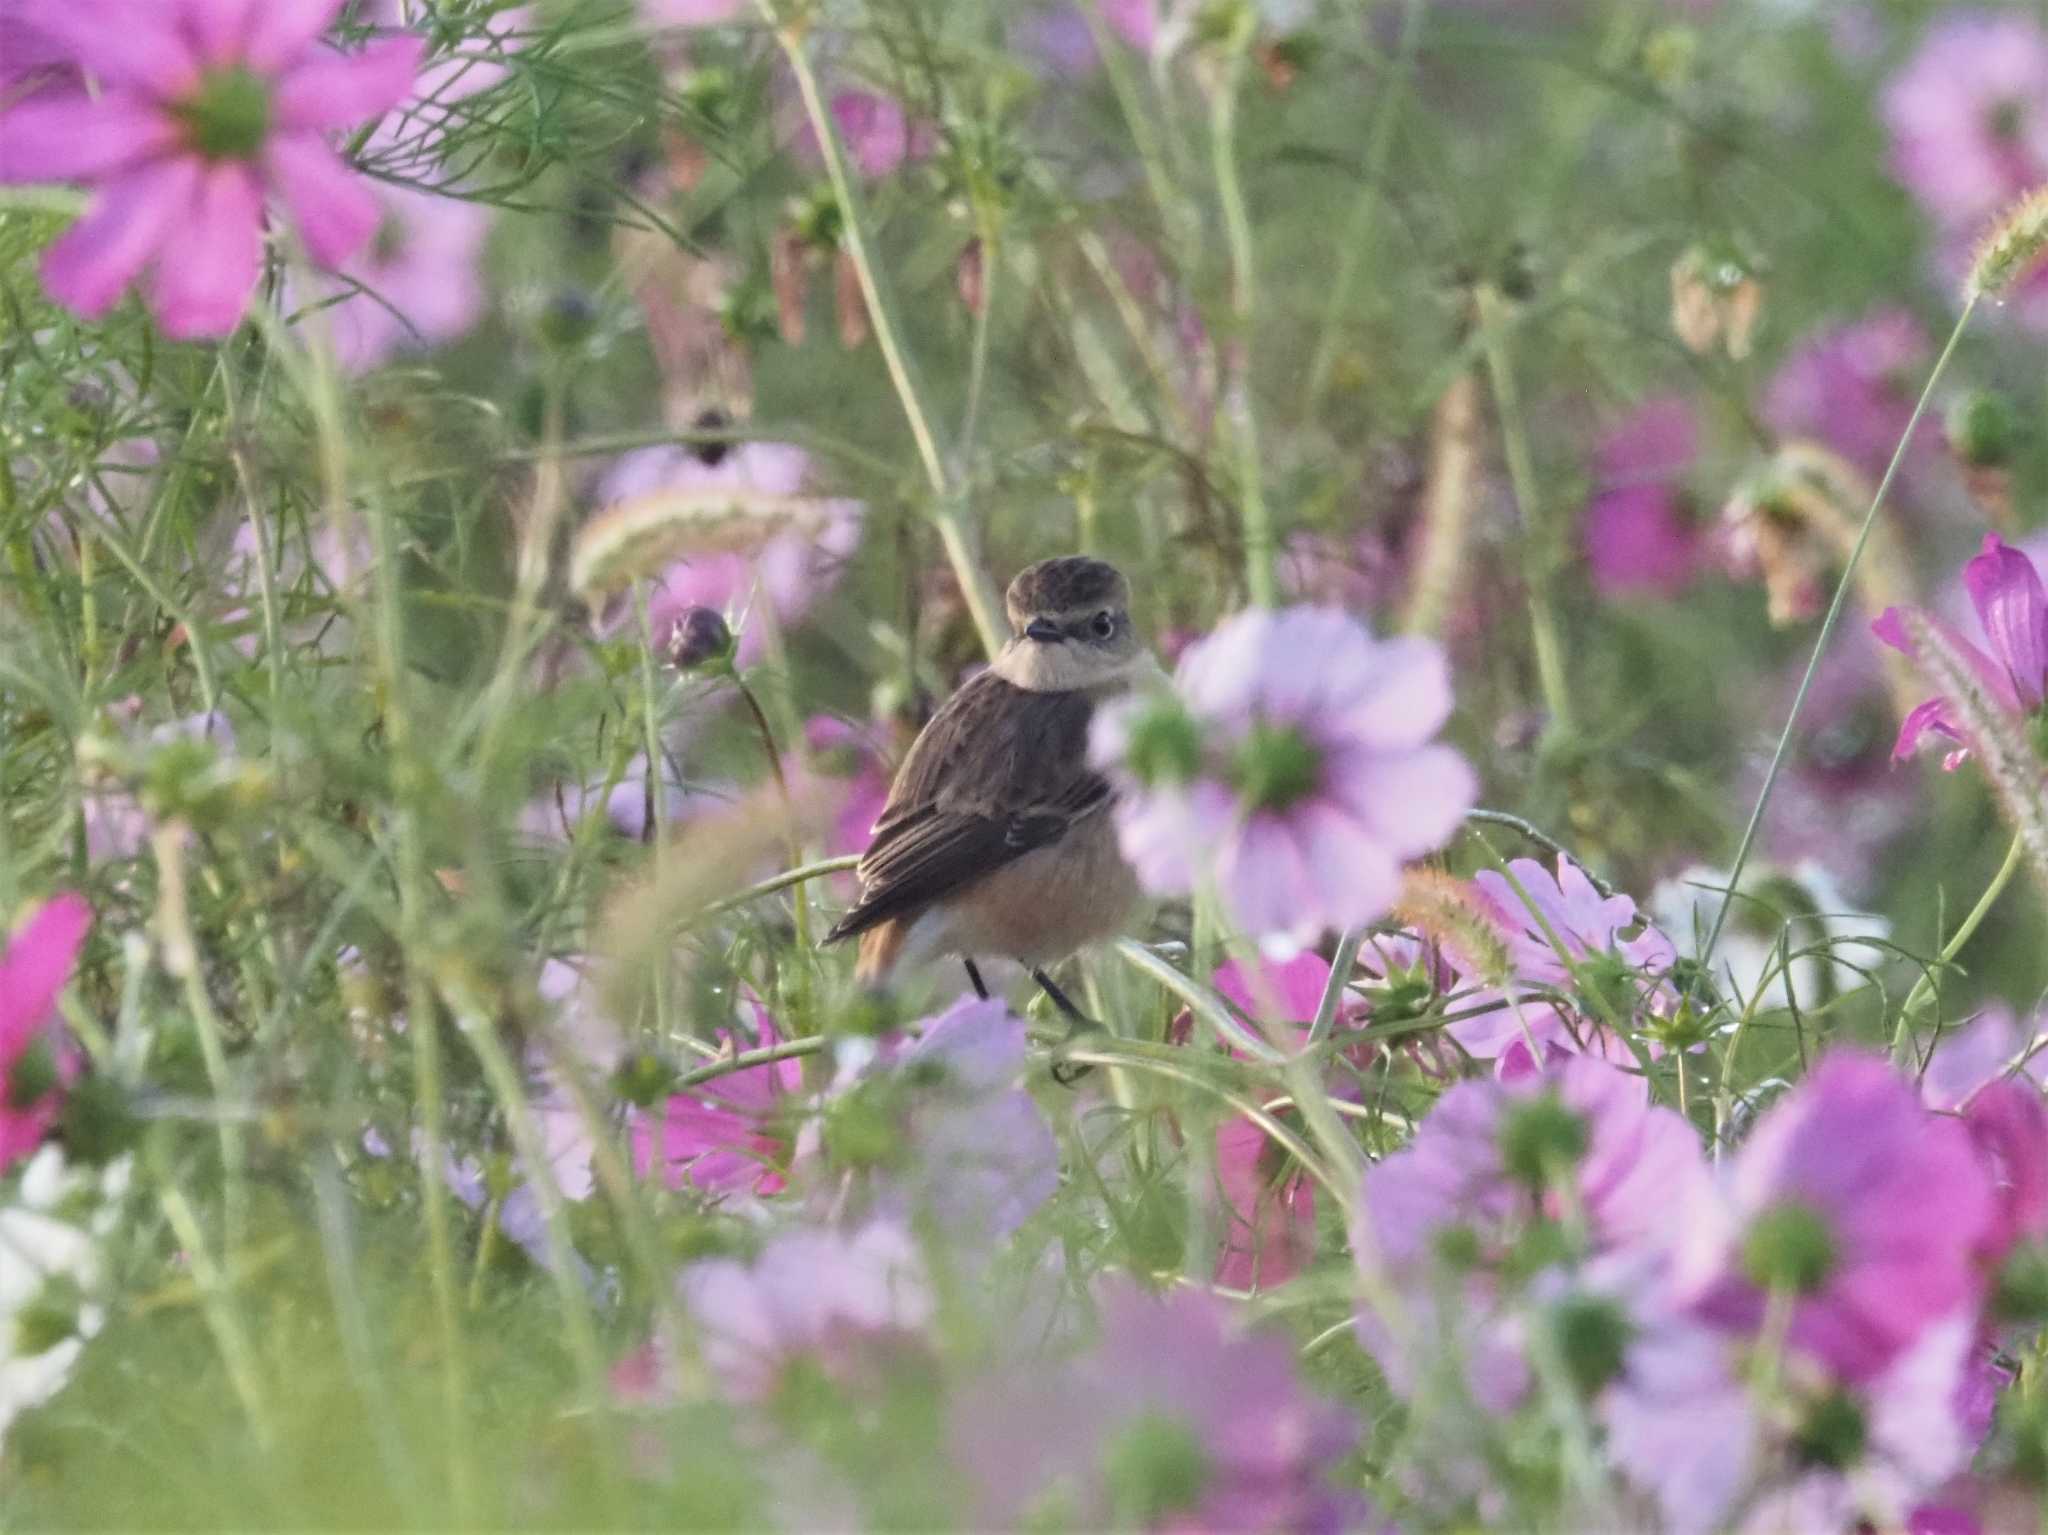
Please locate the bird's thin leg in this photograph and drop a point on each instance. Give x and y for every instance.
(1062, 1001)
(974, 978)
(1066, 1073)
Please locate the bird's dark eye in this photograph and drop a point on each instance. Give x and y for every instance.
(1102, 625)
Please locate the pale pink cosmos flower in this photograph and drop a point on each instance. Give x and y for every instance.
(788, 572)
(35, 1063)
(1607, 946)
(418, 282)
(207, 111)
(1294, 769)
(1178, 1420)
(1491, 1159)
(1686, 1424)
(1857, 1202)
(1638, 533)
(846, 1304)
(1968, 114)
(1852, 387)
(2006, 591)
(731, 1135)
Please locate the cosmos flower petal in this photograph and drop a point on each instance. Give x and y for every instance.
(62, 137)
(106, 250)
(2006, 591)
(125, 42)
(209, 261)
(339, 90)
(281, 30)
(336, 214)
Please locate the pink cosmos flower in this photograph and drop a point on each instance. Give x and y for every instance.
(2006, 591)
(1177, 1420)
(35, 1064)
(1565, 909)
(880, 137)
(1853, 387)
(1987, 1048)
(416, 283)
(1968, 114)
(1686, 1424)
(846, 1304)
(1491, 1160)
(207, 110)
(1858, 1203)
(1638, 534)
(1269, 1205)
(789, 572)
(1293, 768)
(730, 1135)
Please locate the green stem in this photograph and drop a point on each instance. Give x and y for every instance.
(1902, 1036)
(1237, 230)
(1827, 629)
(1358, 229)
(1545, 633)
(948, 510)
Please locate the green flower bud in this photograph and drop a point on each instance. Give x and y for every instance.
(34, 1074)
(1154, 1468)
(228, 117)
(1983, 429)
(1277, 766)
(1790, 1248)
(2020, 1293)
(860, 1132)
(1592, 1335)
(50, 1318)
(1165, 745)
(1833, 1434)
(97, 1124)
(644, 1079)
(1540, 1141)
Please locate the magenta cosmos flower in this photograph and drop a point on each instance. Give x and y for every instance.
(1852, 388)
(1177, 1420)
(731, 1135)
(206, 111)
(2006, 591)
(1639, 533)
(844, 1304)
(1292, 769)
(35, 1065)
(1863, 1208)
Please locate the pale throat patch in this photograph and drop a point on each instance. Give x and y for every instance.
(1070, 668)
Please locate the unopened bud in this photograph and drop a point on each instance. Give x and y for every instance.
(1983, 429)
(698, 638)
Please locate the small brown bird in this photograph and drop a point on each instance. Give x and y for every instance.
(997, 839)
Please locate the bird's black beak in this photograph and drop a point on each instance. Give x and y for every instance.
(1045, 631)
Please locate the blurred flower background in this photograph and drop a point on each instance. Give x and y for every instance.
(488, 494)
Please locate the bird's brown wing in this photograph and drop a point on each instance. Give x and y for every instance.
(998, 771)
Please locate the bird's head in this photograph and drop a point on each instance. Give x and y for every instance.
(1071, 618)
